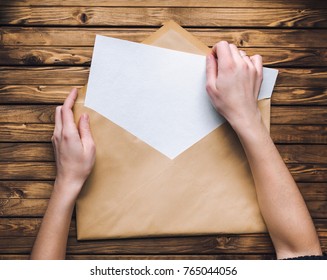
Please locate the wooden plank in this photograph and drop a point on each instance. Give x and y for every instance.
(28, 170)
(36, 94)
(49, 75)
(26, 152)
(297, 115)
(156, 16)
(43, 189)
(26, 132)
(171, 3)
(68, 37)
(153, 257)
(63, 75)
(308, 172)
(29, 152)
(20, 227)
(47, 171)
(10, 207)
(303, 153)
(277, 57)
(306, 134)
(297, 96)
(27, 113)
(279, 114)
(12, 55)
(48, 94)
(218, 244)
(303, 77)
(24, 227)
(313, 191)
(281, 134)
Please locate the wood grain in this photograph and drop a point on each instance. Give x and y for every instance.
(40, 94)
(172, 3)
(153, 257)
(28, 170)
(45, 55)
(11, 207)
(156, 16)
(26, 132)
(42, 189)
(56, 94)
(298, 96)
(26, 152)
(292, 134)
(303, 153)
(68, 37)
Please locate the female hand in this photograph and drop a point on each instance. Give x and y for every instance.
(233, 84)
(74, 149)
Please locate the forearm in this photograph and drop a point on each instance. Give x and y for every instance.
(51, 241)
(281, 204)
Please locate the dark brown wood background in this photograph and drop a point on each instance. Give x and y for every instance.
(46, 48)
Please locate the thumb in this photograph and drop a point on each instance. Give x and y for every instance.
(85, 132)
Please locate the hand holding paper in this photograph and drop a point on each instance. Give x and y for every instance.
(233, 84)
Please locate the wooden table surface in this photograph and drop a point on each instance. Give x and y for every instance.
(46, 48)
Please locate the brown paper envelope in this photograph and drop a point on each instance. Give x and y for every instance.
(135, 191)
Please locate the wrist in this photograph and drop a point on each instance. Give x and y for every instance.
(253, 132)
(246, 125)
(66, 191)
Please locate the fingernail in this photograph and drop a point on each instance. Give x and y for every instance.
(86, 117)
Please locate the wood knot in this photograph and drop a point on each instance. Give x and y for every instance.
(16, 193)
(224, 242)
(83, 18)
(31, 59)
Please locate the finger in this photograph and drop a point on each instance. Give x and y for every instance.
(248, 62)
(242, 53)
(67, 113)
(224, 55)
(211, 73)
(69, 102)
(235, 52)
(58, 124)
(257, 62)
(85, 133)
